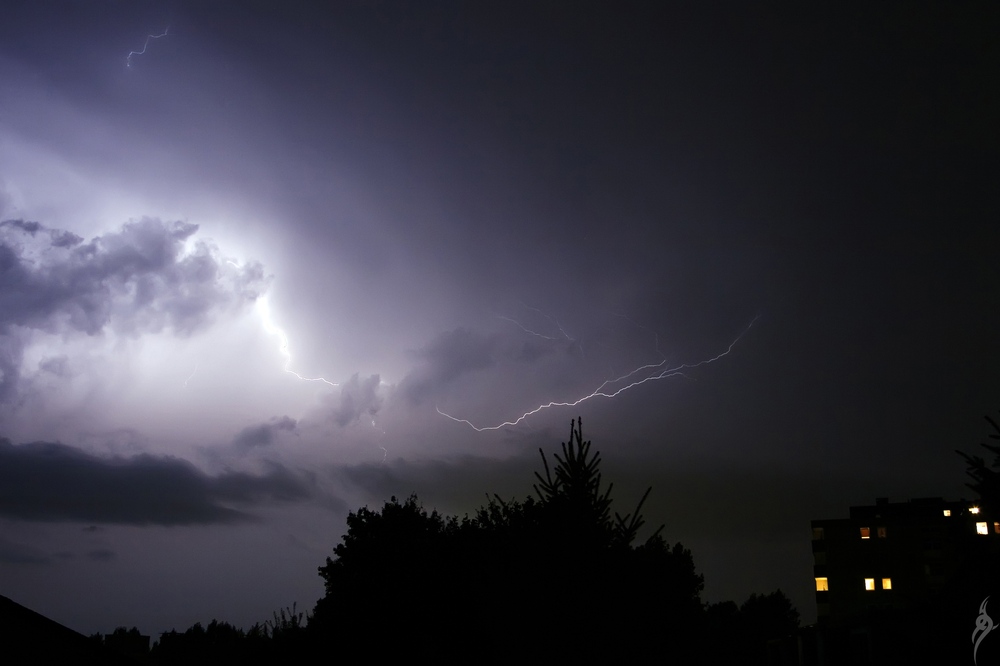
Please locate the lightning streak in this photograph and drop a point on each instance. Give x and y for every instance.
(528, 330)
(535, 333)
(272, 329)
(128, 59)
(191, 376)
(606, 389)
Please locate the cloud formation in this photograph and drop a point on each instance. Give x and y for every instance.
(16, 553)
(357, 397)
(264, 434)
(140, 279)
(49, 481)
(148, 277)
(459, 352)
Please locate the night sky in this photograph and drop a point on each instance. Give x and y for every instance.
(776, 229)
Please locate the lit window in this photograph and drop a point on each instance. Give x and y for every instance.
(886, 583)
(996, 527)
(818, 534)
(881, 532)
(869, 584)
(973, 509)
(866, 533)
(947, 512)
(822, 584)
(981, 528)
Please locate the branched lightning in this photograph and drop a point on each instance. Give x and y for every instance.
(128, 59)
(527, 330)
(272, 329)
(606, 389)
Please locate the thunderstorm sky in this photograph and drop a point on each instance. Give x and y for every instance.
(252, 259)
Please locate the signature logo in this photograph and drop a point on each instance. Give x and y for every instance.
(984, 625)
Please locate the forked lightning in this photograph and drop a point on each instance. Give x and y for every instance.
(128, 59)
(657, 371)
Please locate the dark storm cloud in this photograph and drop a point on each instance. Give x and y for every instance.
(264, 434)
(11, 348)
(357, 397)
(30, 228)
(45, 481)
(458, 483)
(15, 553)
(56, 237)
(140, 279)
(100, 555)
(459, 352)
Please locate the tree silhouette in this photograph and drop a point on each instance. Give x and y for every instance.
(549, 580)
(740, 634)
(391, 577)
(985, 481)
(283, 640)
(574, 493)
(554, 578)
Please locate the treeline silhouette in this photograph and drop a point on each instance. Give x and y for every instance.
(549, 579)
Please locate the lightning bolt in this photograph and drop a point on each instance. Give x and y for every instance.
(128, 59)
(657, 372)
(264, 308)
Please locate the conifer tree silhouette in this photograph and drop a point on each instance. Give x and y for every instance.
(985, 481)
(575, 490)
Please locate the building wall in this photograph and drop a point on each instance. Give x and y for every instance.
(910, 551)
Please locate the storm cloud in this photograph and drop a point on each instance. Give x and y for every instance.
(479, 211)
(148, 277)
(460, 352)
(49, 481)
(16, 553)
(139, 279)
(357, 397)
(264, 434)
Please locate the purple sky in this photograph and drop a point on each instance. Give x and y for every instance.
(476, 208)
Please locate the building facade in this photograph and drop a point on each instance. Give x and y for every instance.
(896, 556)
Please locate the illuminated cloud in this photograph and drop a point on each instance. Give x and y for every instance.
(148, 277)
(481, 214)
(358, 397)
(140, 279)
